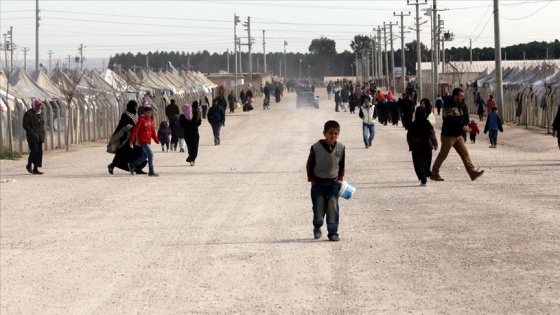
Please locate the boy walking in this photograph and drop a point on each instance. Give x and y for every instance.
(368, 114)
(325, 171)
(473, 126)
(144, 131)
(493, 124)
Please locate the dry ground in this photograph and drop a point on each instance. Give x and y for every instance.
(233, 234)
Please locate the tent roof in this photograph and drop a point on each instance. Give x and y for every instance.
(43, 80)
(25, 87)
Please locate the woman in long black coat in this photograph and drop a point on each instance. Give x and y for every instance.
(124, 153)
(190, 120)
(421, 140)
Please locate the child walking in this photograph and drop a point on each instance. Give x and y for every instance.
(493, 124)
(163, 134)
(145, 132)
(421, 140)
(325, 171)
(368, 114)
(474, 130)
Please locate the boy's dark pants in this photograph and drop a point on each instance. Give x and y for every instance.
(473, 137)
(324, 195)
(422, 160)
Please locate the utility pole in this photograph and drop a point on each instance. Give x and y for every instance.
(435, 21)
(249, 44)
(498, 56)
(227, 59)
(432, 12)
(11, 35)
(403, 67)
(418, 46)
(25, 50)
(285, 69)
(50, 53)
(440, 27)
(235, 21)
(81, 50)
(386, 56)
(392, 69)
(356, 66)
(379, 55)
(69, 61)
(240, 55)
(372, 38)
(37, 19)
(470, 50)
(264, 52)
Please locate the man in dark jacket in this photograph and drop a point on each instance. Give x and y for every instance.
(217, 119)
(34, 127)
(171, 110)
(451, 136)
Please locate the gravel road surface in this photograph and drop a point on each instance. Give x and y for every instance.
(233, 234)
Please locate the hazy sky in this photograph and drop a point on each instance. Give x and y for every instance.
(109, 27)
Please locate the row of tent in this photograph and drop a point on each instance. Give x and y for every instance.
(86, 106)
(538, 78)
(531, 94)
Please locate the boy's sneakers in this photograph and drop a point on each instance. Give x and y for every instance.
(334, 238)
(153, 174)
(131, 168)
(317, 233)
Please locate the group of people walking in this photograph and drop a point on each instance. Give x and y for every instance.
(131, 140)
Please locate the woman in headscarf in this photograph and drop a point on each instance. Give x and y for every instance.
(421, 140)
(190, 120)
(124, 154)
(425, 103)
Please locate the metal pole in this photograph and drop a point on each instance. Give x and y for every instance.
(392, 58)
(264, 52)
(403, 66)
(372, 57)
(379, 55)
(81, 57)
(25, 50)
(470, 50)
(37, 19)
(498, 56)
(418, 52)
(235, 21)
(50, 53)
(442, 45)
(418, 47)
(249, 41)
(436, 50)
(227, 58)
(386, 56)
(285, 69)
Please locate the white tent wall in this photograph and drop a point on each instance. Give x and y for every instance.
(94, 111)
(531, 95)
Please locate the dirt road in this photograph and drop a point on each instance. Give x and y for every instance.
(233, 234)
